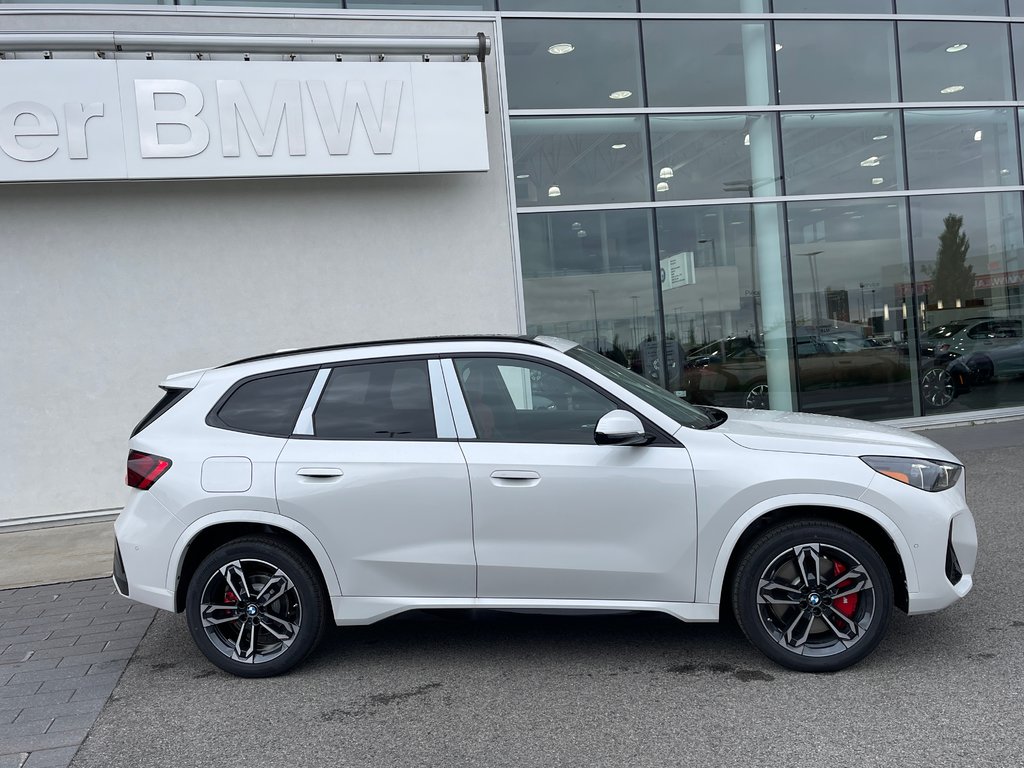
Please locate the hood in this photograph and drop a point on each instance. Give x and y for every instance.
(830, 435)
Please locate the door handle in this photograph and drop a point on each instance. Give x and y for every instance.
(519, 478)
(320, 472)
(515, 474)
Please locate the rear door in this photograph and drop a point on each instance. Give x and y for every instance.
(379, 478)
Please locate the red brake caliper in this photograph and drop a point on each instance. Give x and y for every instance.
(845, 605)
(230, 598)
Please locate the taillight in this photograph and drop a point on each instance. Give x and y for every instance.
(144, 469)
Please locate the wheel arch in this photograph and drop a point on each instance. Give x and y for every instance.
(876, 528)
(211, 531)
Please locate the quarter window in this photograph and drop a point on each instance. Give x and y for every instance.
(268, 405)
(518, 401)
(377, 401)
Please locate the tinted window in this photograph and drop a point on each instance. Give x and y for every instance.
(516, 401)
(377, 401)
(268, 405)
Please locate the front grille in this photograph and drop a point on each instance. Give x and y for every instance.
(953, 571)
(120, 579)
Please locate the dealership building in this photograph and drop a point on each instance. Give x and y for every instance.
(808, 205)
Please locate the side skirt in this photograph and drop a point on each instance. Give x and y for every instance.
(350, 611)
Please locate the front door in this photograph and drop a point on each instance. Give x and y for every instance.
(554, 514)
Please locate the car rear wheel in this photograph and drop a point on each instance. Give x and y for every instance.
(255, 607)
(937, 387)
(813, 596)
(757, 397)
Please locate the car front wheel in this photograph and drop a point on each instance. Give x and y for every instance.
(813, 596)
(255, 607)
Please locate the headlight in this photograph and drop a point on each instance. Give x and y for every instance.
(921, 473)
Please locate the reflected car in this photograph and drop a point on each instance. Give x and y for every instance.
(733, 372)
(971, 336)
(273, 496)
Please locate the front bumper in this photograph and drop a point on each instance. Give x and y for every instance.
(944, 587)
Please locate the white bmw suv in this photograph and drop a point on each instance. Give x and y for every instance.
(351, 483)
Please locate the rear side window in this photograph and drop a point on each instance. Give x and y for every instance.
(171, 396)
(377, 401)
(268, 405)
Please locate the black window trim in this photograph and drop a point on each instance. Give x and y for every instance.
(662, 438)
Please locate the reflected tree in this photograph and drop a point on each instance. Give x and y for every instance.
(953, 277)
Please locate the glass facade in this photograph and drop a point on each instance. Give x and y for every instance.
(799, 204)
(818, 213)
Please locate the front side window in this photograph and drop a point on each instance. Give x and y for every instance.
(519, 401)
(268, 405)
(377, 401)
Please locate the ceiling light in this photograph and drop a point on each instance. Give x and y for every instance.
(816, 210)
(620, 94)
(956, 48)
(523, 176)
(662, 186)
(849, 213)
(710, 215)
(870, 162)
(877, 180)
(554, 191)
(977, 135)
(952, 89)
(735, 222)
(618, 146)
(746, 140)
(1005, 172)
(561, 48)
(858, 216)
(778, 47)
(581, 233)
(576, 226)
(666, 173)
(891, 205)
(880, 137)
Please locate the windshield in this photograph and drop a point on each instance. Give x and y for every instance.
(653, 395)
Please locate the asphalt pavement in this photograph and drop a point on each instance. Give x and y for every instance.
(498, 689)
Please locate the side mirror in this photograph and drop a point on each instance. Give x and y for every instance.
(620, 428)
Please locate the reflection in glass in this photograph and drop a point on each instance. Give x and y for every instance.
(566, 161)
(954, 61)
(580, 6)
(588, 277)
(709, 156)
(432, 5)
(961, 148)
(1017, 38)
(821, 62)
(851, 281)
(704, 6)
(706, 63)
(833, 6)
(1017, 7)
(951, 7)
(970, 275)
(712, 263)
(829, 152)
(600, 68)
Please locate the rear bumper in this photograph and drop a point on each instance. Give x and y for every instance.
(120, 579)
(145, 533)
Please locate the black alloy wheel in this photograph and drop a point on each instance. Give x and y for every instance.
(813, 596)
(937, 387)
(757, 397)
(255, 607)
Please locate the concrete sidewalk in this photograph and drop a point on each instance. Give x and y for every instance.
(59, 554)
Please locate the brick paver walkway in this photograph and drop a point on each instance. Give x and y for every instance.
(63, 648)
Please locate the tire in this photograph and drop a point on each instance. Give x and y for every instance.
(270, 632)
(800, 626)
(757, 397)
(937, 388)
